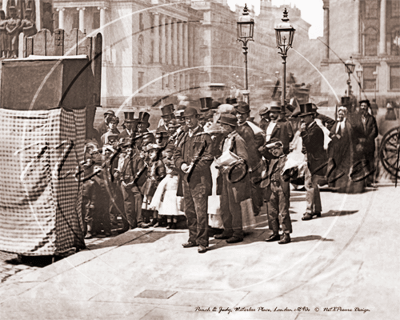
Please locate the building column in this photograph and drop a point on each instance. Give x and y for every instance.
(102, 17)
(357, 27)
(326, 28)
(156, 34)
(175, 42)
(162, 40)
(169, 41)
(181, 44)
(81, 19)
(61, 18)
(186, 43)
(382, 29)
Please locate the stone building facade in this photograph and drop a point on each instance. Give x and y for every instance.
(369, 31)
(155, 50)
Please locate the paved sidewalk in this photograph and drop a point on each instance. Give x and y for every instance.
(347, 259)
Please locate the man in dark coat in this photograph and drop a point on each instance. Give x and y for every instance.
(253, 141)
(313, 142)
(193, 156)
(280, 129)
(234, 190)
(368, 130)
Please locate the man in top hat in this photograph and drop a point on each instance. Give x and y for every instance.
(313, 142)
(102, 128)
(142, 129)
(162, 132)
(253, 142)
(231, 101)
(130, 126)
(205, 104)
(233, 189)
(280, 129)
(193, 156)
(368, 131)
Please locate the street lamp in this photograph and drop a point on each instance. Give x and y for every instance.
(359, 72)
(350, 66)
(284, 39)
(375, 74)
(245, 32)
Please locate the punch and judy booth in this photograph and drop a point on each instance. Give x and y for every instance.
(42, 135)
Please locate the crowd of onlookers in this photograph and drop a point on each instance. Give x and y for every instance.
(135, 177)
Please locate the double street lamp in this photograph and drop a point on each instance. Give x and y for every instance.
(350, 66)
(284, 39)
(245, 32)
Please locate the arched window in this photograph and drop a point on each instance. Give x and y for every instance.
(395, 42)
(370, 42)
(140, 49)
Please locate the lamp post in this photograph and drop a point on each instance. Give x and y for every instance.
(375, 74)
(359, 72)
(350, 66)
(245, 32)
(284, 39)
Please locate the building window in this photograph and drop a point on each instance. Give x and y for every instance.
(395, 42)
(140, 80)
(370, 42)
(371, 9)
(369, 77)
(140, 49)
(395, 78)
(152, 23)
(141, 24)
(96, 20)
(395, 9)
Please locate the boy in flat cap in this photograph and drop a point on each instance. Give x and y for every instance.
(276, 183)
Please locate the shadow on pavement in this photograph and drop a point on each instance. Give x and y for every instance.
(310, 238)
(332, 213)
(250, 237)
(146, 237)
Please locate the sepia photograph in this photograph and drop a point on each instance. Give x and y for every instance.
(200, 159)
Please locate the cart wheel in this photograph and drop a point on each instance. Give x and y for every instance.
(389, 152)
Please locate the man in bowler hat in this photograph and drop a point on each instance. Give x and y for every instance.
(254, 142)
(233, 189)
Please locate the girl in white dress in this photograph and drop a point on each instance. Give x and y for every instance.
(165, 200)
